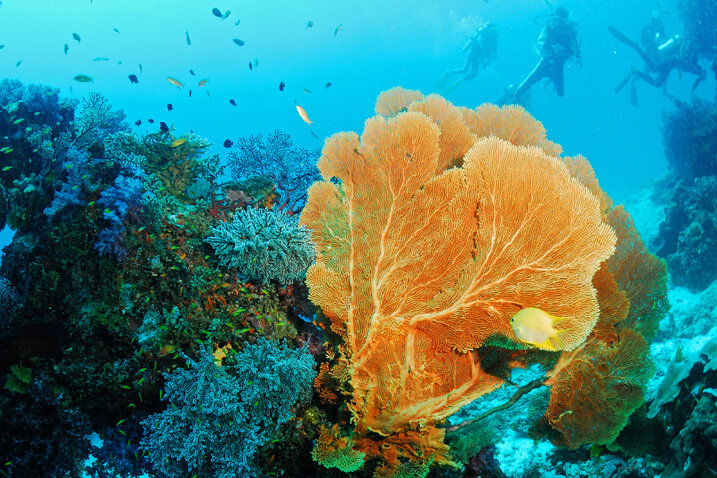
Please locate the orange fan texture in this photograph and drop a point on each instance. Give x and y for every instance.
(433, 228)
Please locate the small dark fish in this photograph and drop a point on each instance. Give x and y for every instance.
(216, 12)
(228, 143)
(251, 67)
(282, 85)
(133, 78)
(307, 91)
(237, 22)
(100, 58)
(327, 85)
(191, 72)
(226, 14)
(82, 78)
(314, 135)
(2, 46)
(190, 92)
(309, 24)
(163, 127)
(138, 122)
(76, 37)
(151, 121)
(238, 41)
(67, 48)
(170, 107)
(140, 68)
(189, 42)
(232, 102)
(18, 63)
(338, 29)
(115, 30)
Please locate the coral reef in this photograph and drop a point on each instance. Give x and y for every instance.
(289, 168)
(688, 235)
(264, 245)
(9, 300)
(219, 415)
(426, 247)
(195, 352)
(119, 200)
(690, 141)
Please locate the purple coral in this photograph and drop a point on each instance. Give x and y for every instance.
(119, 200)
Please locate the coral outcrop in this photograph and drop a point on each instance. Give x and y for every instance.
(431, 234)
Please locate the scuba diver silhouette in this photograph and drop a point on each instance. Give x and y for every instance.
(480, 50)
(558, 42)
(661, 56)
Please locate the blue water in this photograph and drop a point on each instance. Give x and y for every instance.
(381, 44)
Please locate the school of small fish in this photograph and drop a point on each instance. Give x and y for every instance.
(134, 78)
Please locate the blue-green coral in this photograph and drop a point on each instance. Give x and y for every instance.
(265, 245)
(220, 415)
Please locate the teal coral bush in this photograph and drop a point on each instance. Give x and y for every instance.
(220, 415)
(265, 245)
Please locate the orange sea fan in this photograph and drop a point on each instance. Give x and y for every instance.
(583, 171)
(456, 138)
(393, 101)
(418, 266)
(641, 274)
(511, 123)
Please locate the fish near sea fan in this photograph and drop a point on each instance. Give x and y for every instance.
(419, 265)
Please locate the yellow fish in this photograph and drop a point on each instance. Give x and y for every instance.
(221, 352)
(175, 81)
(177, 142)
(536, 327)
(203, 82)
(304, 116)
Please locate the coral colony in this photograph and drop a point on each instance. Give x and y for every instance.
(353, 310)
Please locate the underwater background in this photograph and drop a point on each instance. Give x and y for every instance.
(156, 313)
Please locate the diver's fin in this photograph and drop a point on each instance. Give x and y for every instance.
(441, 83)
(453, 86)
(614, 31)
(622, 84)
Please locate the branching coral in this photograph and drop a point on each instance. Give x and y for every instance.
(220, 415)
(96, 121)
(291, 169)
(418, 265)
(265, 245)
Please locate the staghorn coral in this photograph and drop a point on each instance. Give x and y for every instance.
(265, 244)
(418, 265)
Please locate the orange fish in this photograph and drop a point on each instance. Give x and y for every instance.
(203, 82)
(304, 116)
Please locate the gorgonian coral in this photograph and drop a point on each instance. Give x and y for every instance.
(265, 245)
(290, 168)
(432, 238)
